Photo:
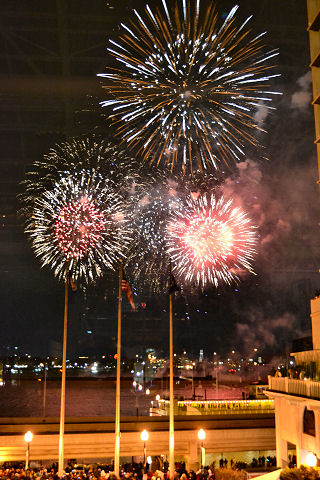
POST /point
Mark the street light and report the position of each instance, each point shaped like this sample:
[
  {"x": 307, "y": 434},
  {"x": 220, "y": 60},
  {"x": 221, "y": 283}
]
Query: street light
[
  {"x": 216, "y": 363},
  {"x": 192, "y": 384},
  {"x": 144, "y": 437},
  {"x": 311, "y": 459},
  {"x": 44, "y": 366},
  {"x": 28, "y": 438},
  {"x": 201, "y": 437}
]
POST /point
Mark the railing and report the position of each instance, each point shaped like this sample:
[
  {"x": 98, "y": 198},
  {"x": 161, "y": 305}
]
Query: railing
[
  {"x": 315, "y": 389},
  {"x": 303, "y": 388},
  {"x": 213, "y": 407}
]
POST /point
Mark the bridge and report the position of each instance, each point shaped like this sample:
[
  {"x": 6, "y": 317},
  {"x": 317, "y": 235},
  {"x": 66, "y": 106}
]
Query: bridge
[{"x": 93, "y": 437}]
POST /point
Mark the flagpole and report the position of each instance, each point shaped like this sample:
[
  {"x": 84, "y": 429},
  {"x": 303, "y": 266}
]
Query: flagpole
[
  {"x": 171, "y": 411},
  {"x": 117, "y": 419},
  {"x": 63, "y": 377}
]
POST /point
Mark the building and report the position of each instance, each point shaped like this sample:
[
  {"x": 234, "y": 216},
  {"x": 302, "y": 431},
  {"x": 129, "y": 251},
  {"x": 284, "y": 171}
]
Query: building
[
  {"x": 297, "y": 396},
  {"x": 297, "y": 402},
  {"x": 314, "y": 37}
]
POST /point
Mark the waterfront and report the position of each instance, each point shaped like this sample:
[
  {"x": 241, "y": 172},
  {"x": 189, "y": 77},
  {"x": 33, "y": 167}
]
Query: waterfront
[{"x": 96, "y": 397}]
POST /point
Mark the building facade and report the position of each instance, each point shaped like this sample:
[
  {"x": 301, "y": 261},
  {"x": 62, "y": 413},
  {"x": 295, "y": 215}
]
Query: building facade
[
  {"x": 314, "y": 37},
  {"x": 297, "y": 402},
  {"x": 297, "y": 396}
]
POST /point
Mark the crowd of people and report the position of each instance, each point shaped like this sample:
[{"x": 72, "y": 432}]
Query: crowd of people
[{"x": 130, "y": 471}]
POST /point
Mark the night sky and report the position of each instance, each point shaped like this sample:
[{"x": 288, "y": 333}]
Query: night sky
[{"x": 49, "y": 59}]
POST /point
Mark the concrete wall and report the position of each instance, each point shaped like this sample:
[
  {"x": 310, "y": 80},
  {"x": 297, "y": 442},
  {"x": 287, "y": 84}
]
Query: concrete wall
[{"x": 289, "y": 427}]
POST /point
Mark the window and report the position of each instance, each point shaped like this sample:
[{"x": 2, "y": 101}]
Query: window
[{"x": 308, "y": 422}]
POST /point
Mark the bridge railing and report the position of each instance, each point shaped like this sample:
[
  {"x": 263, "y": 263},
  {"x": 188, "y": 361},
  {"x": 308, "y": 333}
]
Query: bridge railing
[{"x": 213, "y": 407}]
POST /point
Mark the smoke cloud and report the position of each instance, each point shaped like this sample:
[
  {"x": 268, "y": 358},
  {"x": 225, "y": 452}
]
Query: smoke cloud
[
  {"x": 261, "y": 114},
  {"x": 302, "y": 98},
  {"x": 280, "y": 206},
  {"x": 281, "y": 197},
  {"x": 267, "y": 333}
]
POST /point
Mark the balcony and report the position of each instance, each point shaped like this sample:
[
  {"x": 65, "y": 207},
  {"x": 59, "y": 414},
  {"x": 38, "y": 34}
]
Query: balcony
[{"x": 291, "y": 386}]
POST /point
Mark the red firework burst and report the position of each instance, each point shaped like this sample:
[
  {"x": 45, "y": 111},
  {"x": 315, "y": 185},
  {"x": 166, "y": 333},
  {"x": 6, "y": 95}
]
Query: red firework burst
[
  {"x": 210, "y": 241},
  {"x": 78, "y": 227}
]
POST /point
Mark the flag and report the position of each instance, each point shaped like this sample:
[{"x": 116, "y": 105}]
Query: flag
[
  {"x": 72, "y": 284},
  {"x": 126, "y": 288},
  {"x": 173, "y": 285}
]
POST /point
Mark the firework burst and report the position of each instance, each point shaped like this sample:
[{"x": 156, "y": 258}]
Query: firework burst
[
  {"x": 157, "y": 198},
  {"x": 81, "y": 220},
  {"x": 147, "y": 259},
  {"x": 188, "y": 86},
  {"x": 75, "y": 211},
  {"x": 210, "y": 241},
  {"x": 79, "y": 227},
  {"x": 92, "y": 154}
]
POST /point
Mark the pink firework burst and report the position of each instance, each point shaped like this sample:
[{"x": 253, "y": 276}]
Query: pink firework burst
[
  {"x": 81, "y": 219},
  {"x": 79, "y": 227},
  {"x": 210, "y": 241}
]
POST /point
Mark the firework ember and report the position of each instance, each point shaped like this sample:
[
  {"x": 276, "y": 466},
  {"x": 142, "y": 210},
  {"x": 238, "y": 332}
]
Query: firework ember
[
  {"x": 210, "y": 241},
  {"x": 188, "y": 86},
  {"x": 79, "y": 226}
]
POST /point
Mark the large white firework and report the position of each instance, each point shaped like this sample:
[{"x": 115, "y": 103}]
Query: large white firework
[{"x": 188, "y": 85}]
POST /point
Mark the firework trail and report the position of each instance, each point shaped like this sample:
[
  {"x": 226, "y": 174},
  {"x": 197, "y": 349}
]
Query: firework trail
[
  {"x": 187, "y": 86},
  {"x": 210, "y": 241}
]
